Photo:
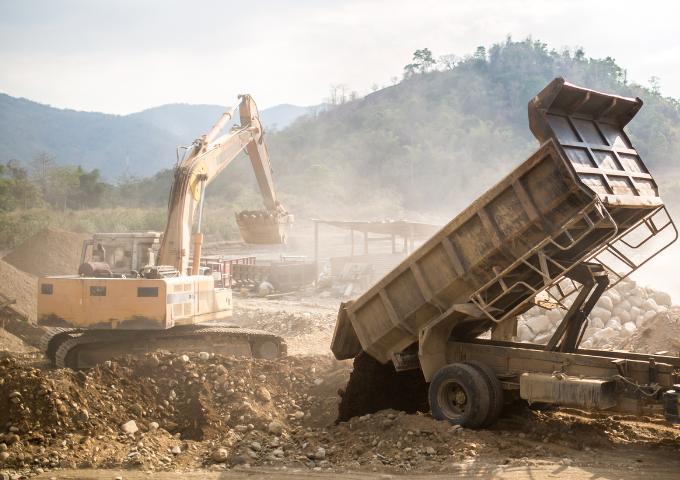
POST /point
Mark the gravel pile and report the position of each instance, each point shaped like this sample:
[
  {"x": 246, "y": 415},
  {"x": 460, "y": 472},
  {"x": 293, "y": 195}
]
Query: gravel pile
[{"x": 620, "y": 313}]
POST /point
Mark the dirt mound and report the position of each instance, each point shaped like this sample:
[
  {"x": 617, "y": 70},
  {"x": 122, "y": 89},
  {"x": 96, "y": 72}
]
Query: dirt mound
[
  {"x": 661, "y": 333},
  {"x": 21, "y": 287},
  {"x": 373, "y": 386},
  {"x": 51, "y": 251}
]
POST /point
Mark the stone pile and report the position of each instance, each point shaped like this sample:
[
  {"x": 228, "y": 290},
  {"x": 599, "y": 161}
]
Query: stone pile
[{"x": 619, "y": 314}]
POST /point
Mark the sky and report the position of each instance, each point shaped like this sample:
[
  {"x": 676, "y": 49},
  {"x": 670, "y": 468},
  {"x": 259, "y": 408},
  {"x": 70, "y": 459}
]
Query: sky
[{"x": 125, "y": 56}]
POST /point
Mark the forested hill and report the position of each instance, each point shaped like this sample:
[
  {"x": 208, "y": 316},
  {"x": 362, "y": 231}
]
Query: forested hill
[{"x": 443, "y": 135}]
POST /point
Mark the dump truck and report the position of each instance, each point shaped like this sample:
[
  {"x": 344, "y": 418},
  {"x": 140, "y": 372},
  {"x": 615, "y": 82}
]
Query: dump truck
[{"x": 571, "y": 221}]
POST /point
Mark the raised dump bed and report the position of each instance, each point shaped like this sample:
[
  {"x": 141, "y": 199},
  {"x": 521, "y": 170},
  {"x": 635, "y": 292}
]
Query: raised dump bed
[{"x": 583, "y": 198}]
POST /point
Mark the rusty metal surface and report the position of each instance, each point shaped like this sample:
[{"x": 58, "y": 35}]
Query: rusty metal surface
[
  {"x": 523, "y": 236},
  {"x": 570, "y": 391}
]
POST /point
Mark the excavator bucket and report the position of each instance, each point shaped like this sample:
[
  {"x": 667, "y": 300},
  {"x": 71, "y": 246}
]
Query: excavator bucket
[{"x": 264, "y": 227}]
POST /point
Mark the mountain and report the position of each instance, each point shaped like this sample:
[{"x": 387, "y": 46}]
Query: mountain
[
  {"x": 93, "y": 140},
  {"x": 99, "y": 140},
  {"x": 189, "y": 122}
]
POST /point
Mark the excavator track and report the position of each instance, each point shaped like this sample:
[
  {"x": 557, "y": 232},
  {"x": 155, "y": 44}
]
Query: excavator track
[
  {"x": 50, "y": 341},
  {"x": 96, "y": 346}
]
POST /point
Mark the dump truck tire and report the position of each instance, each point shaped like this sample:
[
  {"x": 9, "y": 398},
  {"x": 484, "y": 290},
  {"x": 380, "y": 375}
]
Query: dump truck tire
[
  {"x": 459, "y": 394},
  {"x": 493, "y": 383}
]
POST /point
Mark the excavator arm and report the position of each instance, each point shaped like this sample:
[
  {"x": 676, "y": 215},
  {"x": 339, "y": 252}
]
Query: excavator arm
[{"x": 202, "y": 162}]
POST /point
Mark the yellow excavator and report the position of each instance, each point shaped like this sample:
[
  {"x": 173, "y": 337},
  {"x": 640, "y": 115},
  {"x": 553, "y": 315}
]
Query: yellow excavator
[{"x": 136, "y": 293}]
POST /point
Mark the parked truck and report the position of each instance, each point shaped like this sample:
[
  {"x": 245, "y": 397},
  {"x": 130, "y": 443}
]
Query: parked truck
[{"x": 572, "y": 220}]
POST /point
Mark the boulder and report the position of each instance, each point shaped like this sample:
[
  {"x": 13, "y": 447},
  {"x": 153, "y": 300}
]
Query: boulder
[
  {"x": 636, "y": 300},
  {"x": 555, "y": 315},
  {"x": 597, "y": 322},
  {"x": 623, "y": 315},
  {"x": 614, "y": 295},
  {"x": 662, "y": 298},
  {"x": 614, "y": 323},
  {"x": 634, "y": 312},
  {"x": 599, "y": 312},
  {"x": 639, "y": 320},
  {"x": 534, "y": 311},
  {"x": 543, "y": 338},
  {"x": 623, "y": 305},
  {"x": 539, "y": 324},
  {"x": 130, "y": 427},
  {"x": 639, "y": 291},
  {"x": 275, "y": 428},
  {"x": 525, "y": 334},
  {"x": 650, "y": 305},
  {"x": 628, "y": 329},
  {"x": 220, "y": 455},
  {"x": 604, "y": 334},
  {"x": 605, "y": 302}
]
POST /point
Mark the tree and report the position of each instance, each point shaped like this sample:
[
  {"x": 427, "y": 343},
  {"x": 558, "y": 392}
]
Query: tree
[
  {"x": 24, "y": 193},
  {"x": 90, "y": 188},
  {"x": 654, "y": 82},
  {"x": 422, "y": 62},
  {"x": 128, "y": 184},
  {"x": 448, "y": 61},
  {"x": 64, "y": 182},
  {"x": 41, "y": 166}
]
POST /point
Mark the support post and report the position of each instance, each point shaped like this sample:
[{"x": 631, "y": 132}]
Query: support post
[
  {"x": 405, "y": 245},
  {"x": 316, "y": 241},
  {"x": 412, "y": 239}
]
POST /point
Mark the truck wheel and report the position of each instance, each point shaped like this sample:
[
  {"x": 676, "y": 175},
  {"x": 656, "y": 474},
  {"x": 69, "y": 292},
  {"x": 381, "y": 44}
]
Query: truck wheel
[
  {"x": 459, "y": 394},
  {"x": 495, "y": 391}
]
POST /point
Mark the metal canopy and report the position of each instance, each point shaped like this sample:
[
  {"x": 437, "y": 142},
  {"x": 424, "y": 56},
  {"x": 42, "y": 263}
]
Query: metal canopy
[{"x": 387, "y": 227}]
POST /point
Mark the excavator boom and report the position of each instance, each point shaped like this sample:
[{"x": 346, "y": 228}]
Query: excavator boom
[{"x": 204, "y": 160}]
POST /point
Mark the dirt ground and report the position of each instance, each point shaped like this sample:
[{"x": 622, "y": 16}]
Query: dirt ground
[{"x": 191, "y": 416}]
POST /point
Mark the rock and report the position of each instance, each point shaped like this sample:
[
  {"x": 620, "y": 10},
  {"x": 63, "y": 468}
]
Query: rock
[
  {"x": 176, "y": 450},
  {"x": 623, "y": 305},
  {"x": 555, "y": 315},
  {"x": 614, "y": 323},
  {"x": 539, "y": 324},
  {"x": 184, "y": 359},
  {"x": 543, "y": 338},
  {"x": 222, "y": 379},
  {"x": 67, "y": 464},
  {"x": 604, "y": 333},
  {"x": 221, "y": 370},
  {"x": 83, "y": 416},
  {"x": 534, "y": 311},
  {"x": 153, "y": 426},
  {"x": 11, "y": 439},
  {"x": 263, "y": 394},
  {"x": 662, "y": 298},
  {"x": 318, "y": 382},
  {"x": 431, "y": 451},
  {"x": 636, "y": 301},
  {"x": 650, "y": 305},
  {"x": 204, "y": 356},
  {"x": 3, "y": 447},
  {"x": 137, "y": 409},
  {"x": 262, "y": 378},
  {"x": 525, "y": 334},
  {"x": 14, "y": 395},
  {"x": 130, "y": 427},
  {"x": 220, "y": 455},
  {"x": 320, "y": 454},
  {"x": 567, "y": 462},
  {"x": 597, "y": 322},
  {"x": 256, "y": 446},
  {"x": 275, "y": 428},
  {"x": 638, "y": 291},
  {"x": 387, "y": 424},
  {"x": 614, "y": 295},
  {"x": 605, "y": 302},
  {"x": 152, "y": 361},
  {"x": 4, "y": 456},
  {"x": 601, "y": 313},
  {"x": 241, "y": 428},
  {"x": 299, "y": 415},
  {"x": 634, "y": 312},
  {"x": 639, "y": 321},
  {"x": 628, "y": 329}
]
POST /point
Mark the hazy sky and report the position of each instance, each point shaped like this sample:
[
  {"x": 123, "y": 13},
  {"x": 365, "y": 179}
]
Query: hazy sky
[{"x": 124, "y": 56}]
